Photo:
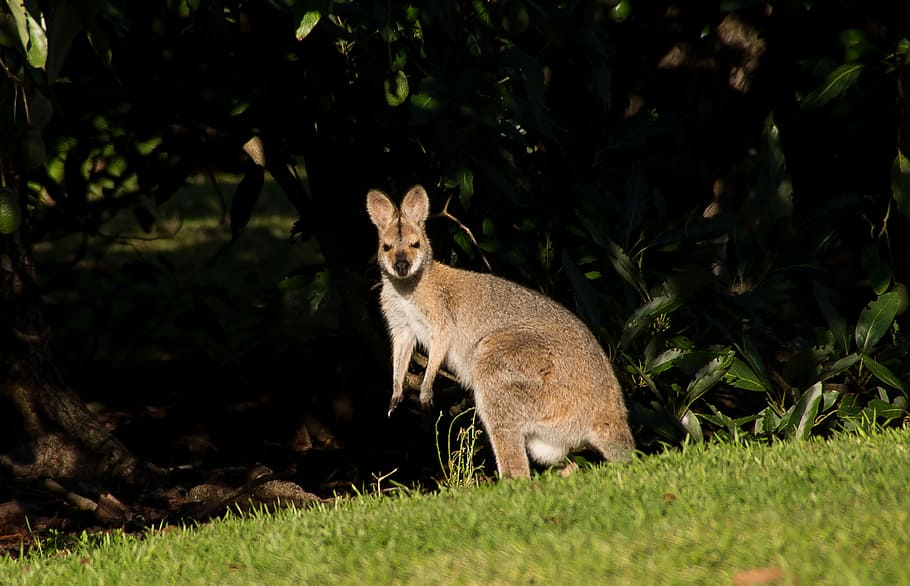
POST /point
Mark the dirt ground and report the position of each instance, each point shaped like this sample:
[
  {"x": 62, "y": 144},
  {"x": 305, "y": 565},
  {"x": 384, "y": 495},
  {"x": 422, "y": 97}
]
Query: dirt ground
[{"x": 223, "y": 443}]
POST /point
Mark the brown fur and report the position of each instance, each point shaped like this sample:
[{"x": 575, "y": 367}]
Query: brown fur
[{"x": 541, "y": 382}]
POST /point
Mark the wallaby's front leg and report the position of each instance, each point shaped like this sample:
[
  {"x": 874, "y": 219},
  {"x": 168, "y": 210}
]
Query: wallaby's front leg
[
  {"x": 403, "y": 341},
  {"x": 437, "y": 354}
]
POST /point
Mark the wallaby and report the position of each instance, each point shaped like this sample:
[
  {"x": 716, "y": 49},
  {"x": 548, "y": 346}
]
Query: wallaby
[{"x": 542, "y": 384}]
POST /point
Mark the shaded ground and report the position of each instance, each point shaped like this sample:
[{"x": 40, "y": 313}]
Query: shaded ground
[
  {"x": 222, "y": 447},
  {"x": 224, "y": 364}
]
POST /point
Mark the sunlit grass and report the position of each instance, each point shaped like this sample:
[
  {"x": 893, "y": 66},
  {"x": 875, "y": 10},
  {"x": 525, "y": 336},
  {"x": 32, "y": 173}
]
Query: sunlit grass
[{"x": 799, "y": 512}]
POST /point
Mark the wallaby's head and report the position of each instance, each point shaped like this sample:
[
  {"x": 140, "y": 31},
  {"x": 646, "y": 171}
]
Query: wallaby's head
[{"x": 404, "y": 249}]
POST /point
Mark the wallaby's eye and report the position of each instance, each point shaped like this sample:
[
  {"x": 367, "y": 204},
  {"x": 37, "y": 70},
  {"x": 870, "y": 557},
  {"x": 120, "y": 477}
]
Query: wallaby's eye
[
  {"x": 416, "y": 244},
  {"x": 386, "y": 247}
]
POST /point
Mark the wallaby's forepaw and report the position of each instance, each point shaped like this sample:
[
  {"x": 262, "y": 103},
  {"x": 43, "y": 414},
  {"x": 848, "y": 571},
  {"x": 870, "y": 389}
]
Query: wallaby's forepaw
[{"x": 396, "y": 401}]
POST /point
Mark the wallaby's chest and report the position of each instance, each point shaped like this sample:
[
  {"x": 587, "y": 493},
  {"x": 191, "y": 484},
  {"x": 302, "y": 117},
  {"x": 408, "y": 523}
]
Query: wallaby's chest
[{"x": 405, "y": 312}]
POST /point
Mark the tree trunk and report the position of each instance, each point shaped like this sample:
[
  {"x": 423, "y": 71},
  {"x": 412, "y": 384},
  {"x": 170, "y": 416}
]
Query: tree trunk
[{"x": 46, "y": 430}]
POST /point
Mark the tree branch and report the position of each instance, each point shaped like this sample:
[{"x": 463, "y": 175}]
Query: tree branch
[{"x": 448, "y": 215}]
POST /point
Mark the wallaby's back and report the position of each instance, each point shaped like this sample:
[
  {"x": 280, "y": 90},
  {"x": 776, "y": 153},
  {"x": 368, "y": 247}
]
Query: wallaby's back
[{"x": 541, "y": 382}]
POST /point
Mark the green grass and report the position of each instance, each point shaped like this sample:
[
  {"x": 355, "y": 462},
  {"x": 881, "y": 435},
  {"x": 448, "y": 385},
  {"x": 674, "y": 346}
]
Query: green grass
[{"x": 812, "y": 513}]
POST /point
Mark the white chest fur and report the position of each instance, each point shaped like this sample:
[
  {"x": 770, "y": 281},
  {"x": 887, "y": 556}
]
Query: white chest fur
[{"x": 403, "y": 313}]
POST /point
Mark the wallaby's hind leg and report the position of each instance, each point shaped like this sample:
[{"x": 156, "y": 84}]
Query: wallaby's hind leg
[
  {"x": 503, "y": 428},
  {"x": 509, "y": 449},
  {"x": 510, "y": 369}
]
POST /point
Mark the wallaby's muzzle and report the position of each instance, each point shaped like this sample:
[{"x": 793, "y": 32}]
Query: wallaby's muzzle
[{"x": 402, "y": 266}]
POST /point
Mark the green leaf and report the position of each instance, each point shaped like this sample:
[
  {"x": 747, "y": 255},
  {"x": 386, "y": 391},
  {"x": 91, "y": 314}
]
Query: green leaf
[
  {"x": 849, "y": 408},
  {"x": 840, "y": 366},
  {"x": 875, "y": 320},
  {"x": 465, "y": 178},
  {"x": 634, "y": 369},
  {"x": 878, "y": 270},
  {"x": 805, "y": 411},
  {"x": 482, "y": 13},
  {"x": 312, "y": 287},
  {"x": 665, "y": 360},
  {"x": 774, "y": 189},
  {"x": 884, "y": 374},
  {"x": 836, "y": 322},
  {"x": 293, "y": 283},
  {"x": 741, "y": 376},
  {"x": 878, "y": 408},
  {"x": 756, "y": 362},
  {"x": 319, "y": 288},
  {"x": 829, "y": 399},
  {"x": 426, "y": 102},
  {"x": 717, "y": 418},
  {"x": 694, "y": 230},
  {"x": 647, "y": 312},
  {"x": 307, "y": 23},
  {"x": 708, "y": 376},
  {"x": 767, "y": 422},
  {"x": 656, "y": 421},
  {"x": 900, "y": 183},
  {"x": 488, "y": 226},
  {"x": 856, "y": 44},
  {"x": 31, "y": 28},
  {"x": 691, "y": 424},
  {"x": 837, "y": 82},
  {"x": 725, "y": 421},
  {"x": 626, "y": 268},
  {"x": 463, "y": 242}
]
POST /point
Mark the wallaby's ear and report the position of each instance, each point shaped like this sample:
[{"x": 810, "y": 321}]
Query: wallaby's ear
[
  {"x": 380, "y": 207},
  {"x": 416, "y": 204}
]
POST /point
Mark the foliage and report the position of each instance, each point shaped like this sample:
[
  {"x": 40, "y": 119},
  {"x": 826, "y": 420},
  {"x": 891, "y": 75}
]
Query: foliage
[
  {"x": 720, "y": 191},
  {"x": 722, "y": 329}
]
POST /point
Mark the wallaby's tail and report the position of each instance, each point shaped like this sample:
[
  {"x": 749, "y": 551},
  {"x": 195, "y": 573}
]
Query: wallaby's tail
[{"x": 613, "y": 441}]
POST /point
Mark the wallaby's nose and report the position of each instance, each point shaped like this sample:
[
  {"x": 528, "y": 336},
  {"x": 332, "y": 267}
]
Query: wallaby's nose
[{"x": 402, "y": 266}]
